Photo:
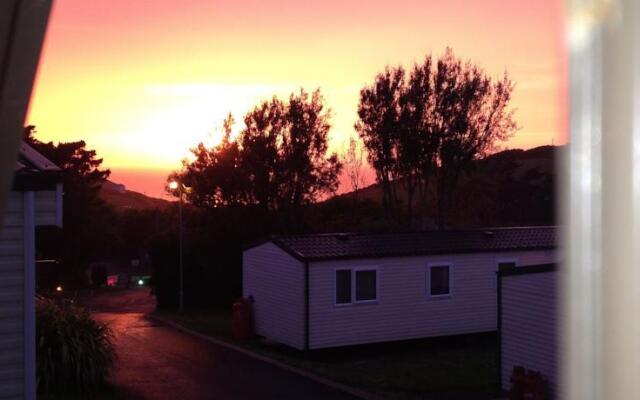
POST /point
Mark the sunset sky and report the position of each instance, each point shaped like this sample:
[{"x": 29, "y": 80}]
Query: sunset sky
[{"x": 141, "y": 81}]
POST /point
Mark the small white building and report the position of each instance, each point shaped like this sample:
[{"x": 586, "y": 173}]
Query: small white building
[
  {"x": 35, "y": 199},
  {"x": 527, "y": 323},
  {"x": 328, "y": 290}
]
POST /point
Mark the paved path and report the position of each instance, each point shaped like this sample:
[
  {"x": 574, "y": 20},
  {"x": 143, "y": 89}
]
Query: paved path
[{"x": 158, "y": 362}]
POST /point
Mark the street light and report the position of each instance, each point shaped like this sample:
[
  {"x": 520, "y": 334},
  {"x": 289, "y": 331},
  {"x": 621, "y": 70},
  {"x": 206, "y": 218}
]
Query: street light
[{"x": 173, "y": 185}]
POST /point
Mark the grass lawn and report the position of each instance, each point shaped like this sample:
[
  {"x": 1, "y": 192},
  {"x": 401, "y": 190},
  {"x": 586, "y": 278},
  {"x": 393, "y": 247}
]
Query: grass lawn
[{"x": 452, "y": 368}]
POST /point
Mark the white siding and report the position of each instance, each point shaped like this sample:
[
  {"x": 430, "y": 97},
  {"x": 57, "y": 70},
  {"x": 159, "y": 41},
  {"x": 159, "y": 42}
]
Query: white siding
[
  {"x": 276, "y": 281},
  {"x": 46, "y": 207},
  {"x": 529, "y": 331},
  {"x": 11, "y": 300},
  {"x": 404, "y": 310}
]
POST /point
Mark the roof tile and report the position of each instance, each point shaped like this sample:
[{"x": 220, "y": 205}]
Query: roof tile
[{"x": 373, "y": 245}]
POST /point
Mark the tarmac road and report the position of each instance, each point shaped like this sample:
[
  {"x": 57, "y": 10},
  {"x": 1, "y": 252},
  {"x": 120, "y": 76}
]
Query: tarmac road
[{"x": 159, "y": 362}]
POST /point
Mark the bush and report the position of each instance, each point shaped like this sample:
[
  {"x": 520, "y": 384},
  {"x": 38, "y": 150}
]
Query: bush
[
  {"x": 99, "y": 275},
  {"x": 74, "y": 352}
]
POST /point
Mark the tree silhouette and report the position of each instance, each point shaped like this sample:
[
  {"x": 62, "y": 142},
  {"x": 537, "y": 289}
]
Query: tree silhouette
[
  {"x": 416, "y": 142},
  {"x": 279, "y": 162},
  {"x": 353, "y": 164},
  {"x": 434, "y": 123},
  {"x": 307, "y": 172},
  {"x": 214, "y": 178},
  {"x": 470, "y": 116},
  {"x": 378, "y": 125},
  {"x": 89, "y": 223},
  {"x": 260, "y": 142}
]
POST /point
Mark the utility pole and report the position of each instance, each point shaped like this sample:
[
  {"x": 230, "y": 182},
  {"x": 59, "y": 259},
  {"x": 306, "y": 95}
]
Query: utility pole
[
  {"x": 178, "y": 185},
  {"x": 181, "y": 293}
]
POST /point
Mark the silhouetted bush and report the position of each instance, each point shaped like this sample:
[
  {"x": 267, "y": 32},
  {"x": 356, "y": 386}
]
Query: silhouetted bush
[
  {"x": 99, "y": 275},
  {"x": 212, "y": 255},
  {"x": 74, "y": 352}
]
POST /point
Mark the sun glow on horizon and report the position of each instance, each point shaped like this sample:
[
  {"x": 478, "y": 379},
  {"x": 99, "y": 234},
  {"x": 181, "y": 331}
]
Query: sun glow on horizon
[{"x": 143, "y": 82}]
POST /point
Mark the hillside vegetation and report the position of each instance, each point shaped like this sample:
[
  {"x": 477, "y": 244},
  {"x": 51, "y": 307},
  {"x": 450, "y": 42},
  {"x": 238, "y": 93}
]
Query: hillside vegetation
[
  {"x": 509, "y": 188},
  {"x": 113, "y": 194}
]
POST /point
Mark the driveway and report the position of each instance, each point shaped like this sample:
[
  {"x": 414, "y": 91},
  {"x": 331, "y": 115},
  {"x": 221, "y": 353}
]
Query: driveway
[{"x": 159, "y": 362}]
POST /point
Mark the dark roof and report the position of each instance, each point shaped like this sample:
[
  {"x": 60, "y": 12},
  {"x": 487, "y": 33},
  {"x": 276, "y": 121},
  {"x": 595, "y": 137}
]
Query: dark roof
[
  {"x": 29, "y": 158},
  {"x": 374, "y": 245},
  {"x": 33, "y": 171}
]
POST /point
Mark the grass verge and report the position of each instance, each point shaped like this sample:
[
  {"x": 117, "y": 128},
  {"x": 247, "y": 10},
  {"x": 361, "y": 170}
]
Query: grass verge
[{"x": 451, "y": 368}]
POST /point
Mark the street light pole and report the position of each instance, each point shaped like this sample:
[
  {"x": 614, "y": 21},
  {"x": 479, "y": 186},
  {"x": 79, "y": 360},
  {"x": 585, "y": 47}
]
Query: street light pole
[
  {"x": 181, "y": 282},
  {"x": 173, "y": 185}
]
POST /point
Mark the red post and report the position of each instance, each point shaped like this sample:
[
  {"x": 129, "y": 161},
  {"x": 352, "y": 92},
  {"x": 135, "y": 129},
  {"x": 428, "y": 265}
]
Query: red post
[
  {"x": 242, "y": 321},
  {"x": 517, "y": 384}
]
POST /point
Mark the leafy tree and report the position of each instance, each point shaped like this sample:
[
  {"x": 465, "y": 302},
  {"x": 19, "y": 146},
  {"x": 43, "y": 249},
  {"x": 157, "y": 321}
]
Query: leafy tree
[
  {"x": 89, "y": 223},
  {"x": 379, "y": 114},
  {"x": 244, "y": 188},
  {"x": 214, "y": 177},
  {"x": 353, "y": 164},
  {"x": 260, "y": 142},
  {"x": 80, "y": 166},
  {"x": 279, "y": 161},
  {"x": 307, "y": 172},
  {"x": 434, "y": 123},
  {"x": 470, "y": 116}
]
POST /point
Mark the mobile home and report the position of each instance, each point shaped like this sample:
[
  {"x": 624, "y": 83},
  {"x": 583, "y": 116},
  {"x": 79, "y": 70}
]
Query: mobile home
[{"x": 328, "y": 290}]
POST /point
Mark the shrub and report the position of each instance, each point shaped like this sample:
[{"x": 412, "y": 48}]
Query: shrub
[{"x": 74, "y": 352}]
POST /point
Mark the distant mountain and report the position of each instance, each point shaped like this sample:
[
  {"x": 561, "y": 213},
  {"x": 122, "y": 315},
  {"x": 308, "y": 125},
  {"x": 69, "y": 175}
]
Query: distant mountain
[
  {"x": 508, "y": 188},
  {"x": 122, "y": 199}
]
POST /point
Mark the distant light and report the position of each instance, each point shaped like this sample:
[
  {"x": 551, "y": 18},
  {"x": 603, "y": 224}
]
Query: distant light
[
  {"x": 140, "y": 282},
  {"x": 173, "y": 185},
  {"x": 58, "y": 288}
]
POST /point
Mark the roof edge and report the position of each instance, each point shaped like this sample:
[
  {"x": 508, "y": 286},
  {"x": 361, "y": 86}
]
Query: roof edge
[
  {"x": 528, "y": 269},
  {"x": 274, "y": 239},
  {"x": 431, "y": 253},
  {"x": 277, "y": 240},
  {"x": 409, "y": 232},
  {"x": 36, "y": 158},
  {"x": 24, "y": 181}
]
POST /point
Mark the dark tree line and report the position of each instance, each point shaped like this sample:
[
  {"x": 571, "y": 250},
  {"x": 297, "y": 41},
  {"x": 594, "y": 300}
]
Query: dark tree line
[
  {"x": 89, "y": 223},
  {"x": 92, "y": 229},
  {"x": 425, "y": 127}
]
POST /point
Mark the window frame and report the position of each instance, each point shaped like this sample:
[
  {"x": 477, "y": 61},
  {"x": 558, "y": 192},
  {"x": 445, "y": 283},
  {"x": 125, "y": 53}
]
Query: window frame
[
  {"x": 431, "y": 265},
  {"x": 335, "y": 287},
  {"x": 353, "y": 274},
  {"x": 354, "y": 283}
]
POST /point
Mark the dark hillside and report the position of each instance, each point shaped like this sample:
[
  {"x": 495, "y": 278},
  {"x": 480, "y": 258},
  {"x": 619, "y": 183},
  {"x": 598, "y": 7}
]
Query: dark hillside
[
  {"x": 122, "y": 199},
  {"x": 512, "y": 187}
]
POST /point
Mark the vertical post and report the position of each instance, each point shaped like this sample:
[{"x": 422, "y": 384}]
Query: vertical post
[
  {"x": 181, "y": 289},
  {"x": 581, "y": 212},
  {"x": 620, "y": 203},
  {"x": 29, "y": 296},
  {"x": 601, "y": 335}
]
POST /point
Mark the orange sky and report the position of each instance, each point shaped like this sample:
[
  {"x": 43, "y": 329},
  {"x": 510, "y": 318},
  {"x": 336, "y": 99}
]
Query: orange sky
[{"x": 143, "y": 80}]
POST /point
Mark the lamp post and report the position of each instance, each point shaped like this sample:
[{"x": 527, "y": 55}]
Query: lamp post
[{"x": 177, "y": 185}]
